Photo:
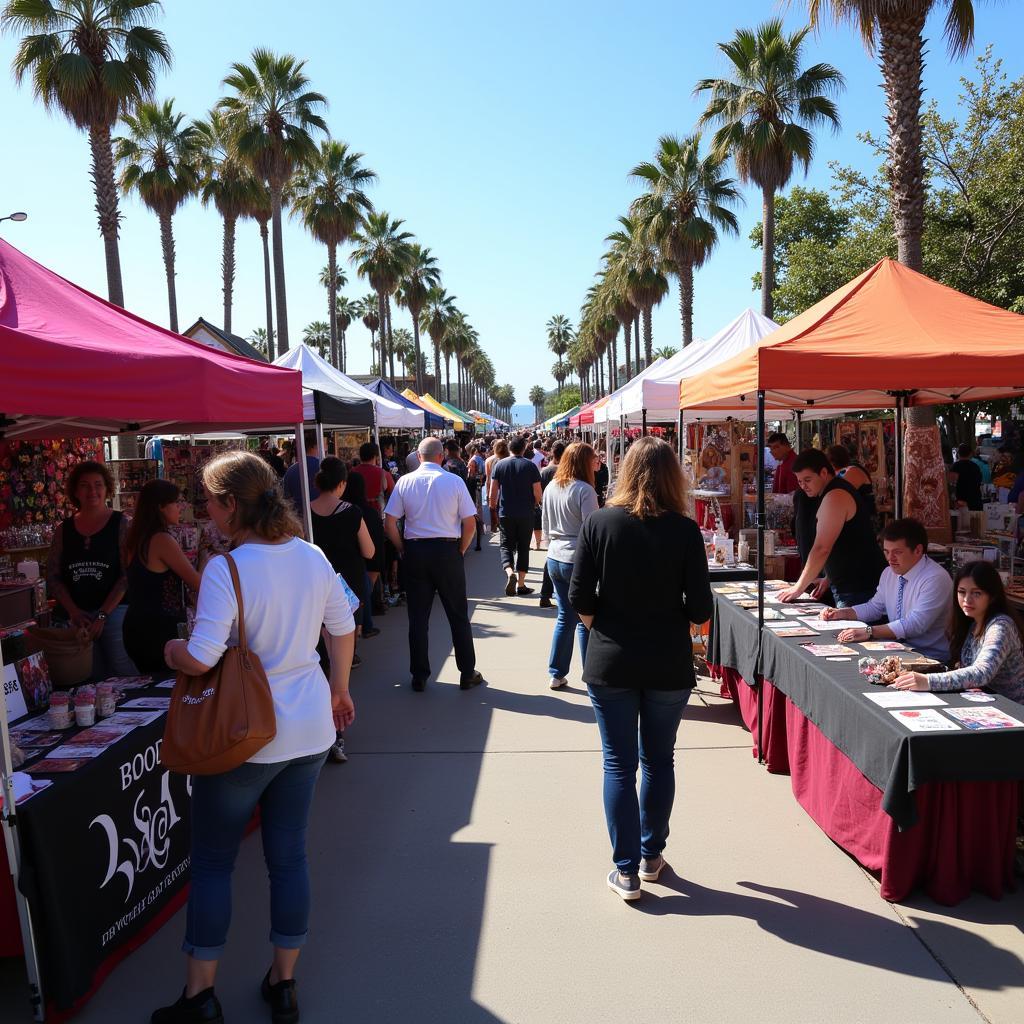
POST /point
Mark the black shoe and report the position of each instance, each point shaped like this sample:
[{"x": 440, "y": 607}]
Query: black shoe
[
  {"x": 371, "y": 632},
  {"x": 478, "y": 548},
  {"x": 546, "y": 602},
  {"x": 419, "y": 685},
  {"x": 468, "y": 682},
  {"x": 524, "y": 591},
  {"x": 283, "y": 1000},
  {"x": 510, "y": 586},
  {"x": 356, "y": 662},
  {"x": 202, "y": 1008}
]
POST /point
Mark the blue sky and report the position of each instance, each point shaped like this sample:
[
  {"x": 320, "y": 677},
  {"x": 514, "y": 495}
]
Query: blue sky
[{"x": 503, "y": 135}]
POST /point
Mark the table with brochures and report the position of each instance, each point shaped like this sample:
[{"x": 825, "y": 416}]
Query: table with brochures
[{"x": 922, "y": 788}]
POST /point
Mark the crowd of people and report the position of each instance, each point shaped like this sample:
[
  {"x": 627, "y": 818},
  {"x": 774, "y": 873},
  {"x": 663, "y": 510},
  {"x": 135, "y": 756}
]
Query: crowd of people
[{"x": 626, "y": 570}]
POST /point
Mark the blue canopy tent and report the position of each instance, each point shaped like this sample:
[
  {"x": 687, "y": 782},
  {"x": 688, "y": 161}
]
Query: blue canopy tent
[{"x": 431, "y": 421}]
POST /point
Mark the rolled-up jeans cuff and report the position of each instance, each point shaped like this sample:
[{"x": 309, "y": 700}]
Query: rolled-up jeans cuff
[
  {"x": 202, "y": 952},
  {"x": 287, "y": 941}
]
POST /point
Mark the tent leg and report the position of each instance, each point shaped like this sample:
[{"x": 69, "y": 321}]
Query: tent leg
[
  {"x": 679, "y": 438},
  {"x": 898, "y": 502},
  {"x": 799, "y": 430},
  {"x": 760, "y": 573},
  {"x": 609, "y": 461},
  {"x": 306, "y": 513},
  {"x": 8, "y": 818},
  {"x": 321, "y": 450},
  {"x": 643, "y": 421}
]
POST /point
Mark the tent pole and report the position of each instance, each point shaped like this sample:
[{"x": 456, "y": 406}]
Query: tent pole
[
  {"x": 306, "y": 513},
  {"x": 679, "y": 438},
  {"x": 799, "y": 413},
  {"x": 643, "y": 421},
  {"x": 321, "y": 450},
  {"x": 898, "y": 503},
  {"x": 9, "y": 818},
  {"x": 760, "y": 573}
]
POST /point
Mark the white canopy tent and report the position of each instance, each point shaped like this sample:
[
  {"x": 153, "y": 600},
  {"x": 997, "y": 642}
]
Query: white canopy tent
[
  {"x": 319, "y": 375},
  {"x": 612, "y": 409}
]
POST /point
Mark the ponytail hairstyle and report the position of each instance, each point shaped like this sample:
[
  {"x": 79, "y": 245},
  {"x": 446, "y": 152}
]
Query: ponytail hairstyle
[
  {"x": 146, "y": 520},
  {"x": 332, "y": 474},
  {"x": 260, "y": 506}
]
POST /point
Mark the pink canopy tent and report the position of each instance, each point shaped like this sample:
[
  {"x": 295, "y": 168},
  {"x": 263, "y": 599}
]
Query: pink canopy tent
[{"x": 74, "y": 365}]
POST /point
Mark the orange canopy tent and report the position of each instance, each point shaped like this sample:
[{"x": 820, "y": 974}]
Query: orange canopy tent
[{"x": 891, "y": 332}]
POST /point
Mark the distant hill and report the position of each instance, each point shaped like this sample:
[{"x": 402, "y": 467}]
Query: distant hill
[{"x": 522, "y": 414}]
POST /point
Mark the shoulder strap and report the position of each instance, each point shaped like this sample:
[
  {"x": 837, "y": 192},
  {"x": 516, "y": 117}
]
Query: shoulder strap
[{"x": 238, "y": 596}]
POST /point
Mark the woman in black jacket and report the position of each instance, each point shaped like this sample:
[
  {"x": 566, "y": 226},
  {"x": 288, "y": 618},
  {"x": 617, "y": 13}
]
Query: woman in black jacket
[{"x": 640, "y": 579}]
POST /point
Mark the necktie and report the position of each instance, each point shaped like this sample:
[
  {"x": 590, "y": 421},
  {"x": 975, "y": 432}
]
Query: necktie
[{"x": 899, "y": 598}]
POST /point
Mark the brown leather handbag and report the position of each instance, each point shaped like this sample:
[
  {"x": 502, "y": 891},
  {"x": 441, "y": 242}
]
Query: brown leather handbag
[{"x": 218, "y": 720}]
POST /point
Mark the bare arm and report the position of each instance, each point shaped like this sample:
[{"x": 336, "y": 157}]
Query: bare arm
[
  {"x": 468, "y": 533},
  {"x": 366, "y": 545},
  {"x": 165, "y": 548},
  {"x": 536, "y": 494},
  {"x": 492, "y": 494},
  {"x": 392, "y": 533}
]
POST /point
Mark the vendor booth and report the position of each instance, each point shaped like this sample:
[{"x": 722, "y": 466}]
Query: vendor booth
[
  {"x": 429, "y": 420},
  {"x": 909, "y": 803},
  {"x": 75, "y": 366},
  {"x": 458, "y": 420}
]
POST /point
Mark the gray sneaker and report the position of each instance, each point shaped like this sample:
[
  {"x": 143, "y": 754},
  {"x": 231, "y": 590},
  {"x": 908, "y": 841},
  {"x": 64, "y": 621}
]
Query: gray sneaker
[
  {"x": 651, "y": 867},
  {"x": 337, "y": 752},
  {"x": 627, "y": 886}
]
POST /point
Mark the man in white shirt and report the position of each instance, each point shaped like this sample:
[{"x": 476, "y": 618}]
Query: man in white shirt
[
  {"x": 440, "y": 524},
  {"x": 914, "y": 596}
]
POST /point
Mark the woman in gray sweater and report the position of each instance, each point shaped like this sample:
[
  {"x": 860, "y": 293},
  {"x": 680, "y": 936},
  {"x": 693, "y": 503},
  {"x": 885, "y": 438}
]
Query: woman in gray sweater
[{"x": 568, "y": 500}]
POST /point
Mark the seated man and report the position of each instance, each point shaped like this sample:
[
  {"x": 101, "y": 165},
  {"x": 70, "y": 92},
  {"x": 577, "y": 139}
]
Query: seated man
[
  {"x": 844, "y": 541},
  {"x": 913, "y": 598}
]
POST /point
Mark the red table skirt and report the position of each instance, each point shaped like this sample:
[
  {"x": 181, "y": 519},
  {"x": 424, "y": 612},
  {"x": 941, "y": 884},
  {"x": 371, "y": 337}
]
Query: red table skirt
[{"x": 964, "y": 839}]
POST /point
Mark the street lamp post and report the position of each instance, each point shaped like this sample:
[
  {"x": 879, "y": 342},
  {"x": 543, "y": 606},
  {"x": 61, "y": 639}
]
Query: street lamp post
[{"x": 19, "y": 216}]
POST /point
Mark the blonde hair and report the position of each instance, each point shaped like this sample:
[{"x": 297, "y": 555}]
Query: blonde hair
[
  {"x": 576, "y": 463},
  {"x": 260, "y": 506},
  {"x": 651, "y": 482}
]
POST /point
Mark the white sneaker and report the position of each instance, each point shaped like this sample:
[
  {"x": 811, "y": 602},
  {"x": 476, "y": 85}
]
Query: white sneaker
[{"x": 557, "y": 682}]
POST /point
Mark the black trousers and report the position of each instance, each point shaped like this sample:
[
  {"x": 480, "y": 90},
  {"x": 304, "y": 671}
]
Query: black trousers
[
  {"x": 516, "y": 534},
  {"x": 436, "y": 567},
  {"x": 547, "y": 588}
]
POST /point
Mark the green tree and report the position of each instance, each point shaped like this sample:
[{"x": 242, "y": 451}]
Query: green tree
[
  {"x": 438, "y": 310},
  {"x": 766, "y": 111},
  {"x": 684, "y": 209},
  {"x": 405, "y": 351},
  {"x": 317, "y": 336},
  {"x": 536, "y": 398},
  {"x": 272, "y": 115},
  {"x": 560, "y": 334},
  {"x": 369, "y": 313},
  {"x": 261, "y": 341},
  {"x": 231, "y": 188},
  {"x": 665, "y": 352},
  {"x": 159, "y": 159},
  {"x": 563, "y": 401},
  {"x": 328, "y": 194},
  {"x": 345, "y": 311},
  {"x": 421, "y": 275},
  {"x": 92, "y": 61},
  {"x": 261, "y": 210}
]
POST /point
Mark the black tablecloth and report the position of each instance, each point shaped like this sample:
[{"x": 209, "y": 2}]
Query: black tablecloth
[
  {"x": 105, "y": 850},
  {"x": 830, "y": 694},
  {"x": 731, "y": 574}
]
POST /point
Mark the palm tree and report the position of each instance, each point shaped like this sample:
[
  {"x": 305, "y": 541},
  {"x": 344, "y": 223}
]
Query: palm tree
[
  {"x": 665, "y": 352},
  {"x": 685, "y": 207},
  {"x": 369, "y": 313},
  {"x": 897, "y": 28},
  {"x": 261, "y": 211},
  {"x": 421, "y": 275},
  {"x": 381, "y": 255},
  {"x": 261, "y": 341},
  {"x": 327, "y": 193},
  {"x": 345, "y": 312},
  {"x": 437, "y": 311},
  {"x": 159, "y": 160},
  {"x": 92, "y": 61},
  {"x": 560, "y": 336},
  {"x": 404, "y": 349},
  {"x": 765, "y": 111},
  {"x": 317, "y": 335},
  {"x": 559, "y": 372},
  {"x": 231, "y": 188},
  {"x": 272, "y": 115}
]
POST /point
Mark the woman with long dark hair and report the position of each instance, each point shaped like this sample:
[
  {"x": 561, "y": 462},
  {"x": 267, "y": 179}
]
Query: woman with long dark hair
[
  {"x": 984, "y": 639},
  {"x": 640, "y": 579},
  {"x": 374, "y": 564},
  {"x": 158, "y": 573}
]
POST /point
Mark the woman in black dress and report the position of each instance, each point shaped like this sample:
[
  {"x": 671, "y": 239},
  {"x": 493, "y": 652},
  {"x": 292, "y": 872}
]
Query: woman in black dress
[
  {"x": 374, "y": 562},
  {"x": 158, "y": 573}
]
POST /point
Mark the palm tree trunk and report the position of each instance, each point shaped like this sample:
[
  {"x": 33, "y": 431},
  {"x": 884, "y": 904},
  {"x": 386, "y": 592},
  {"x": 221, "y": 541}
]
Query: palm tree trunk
[
  {"x": 167, "y": 245},
  {"x": 227, "y": 266},
  {"x": 343, "y": 350},
  {"x": 106, "y": 207},
  {"x": 685, "y": 273},
  {"x": 267, "y": 291},
  {"x": 332, "y": 300},
  {"x": 373, "y": 348},
  {"x": 901, "y": 53},
  {"x": 447, "y": 378},
  {"x": 391, "y": 341},
  {"x": 276, "y": 202},
  {"x": 648, "y": 335},
  {"x": 636, "y": 339},
  {"x": 768, "y": 252},
  {"x": 627, "y": 329},
  {"x": 416, "y": 344},
  {"x": 382, "y": 332}
]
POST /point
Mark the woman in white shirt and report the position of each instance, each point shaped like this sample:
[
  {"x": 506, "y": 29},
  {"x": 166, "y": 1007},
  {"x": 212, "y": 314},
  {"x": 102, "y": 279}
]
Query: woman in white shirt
[{"x": 288, "y": 590}]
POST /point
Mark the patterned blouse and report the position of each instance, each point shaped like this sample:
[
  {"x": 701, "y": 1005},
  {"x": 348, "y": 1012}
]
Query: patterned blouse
[{"x": 995, "y": 661}]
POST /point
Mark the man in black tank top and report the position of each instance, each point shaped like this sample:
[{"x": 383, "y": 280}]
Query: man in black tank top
[{"x": 845, "y": 547}]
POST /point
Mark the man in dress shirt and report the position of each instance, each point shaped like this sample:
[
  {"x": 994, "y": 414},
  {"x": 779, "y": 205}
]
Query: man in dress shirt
[
  {"x": 913, "y": 599},
  {"x": 440, "y": 523}
]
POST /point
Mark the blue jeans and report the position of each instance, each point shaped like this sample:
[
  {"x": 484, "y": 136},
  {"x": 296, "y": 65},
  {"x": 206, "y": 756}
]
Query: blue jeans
[
  {"x": 109, "y": 657},
  {"x": 638, "y": 727},
  {"x": 567, "y": 621},
  {"x": 848, "y": 598},
  {"x": 222, "y": 806}
]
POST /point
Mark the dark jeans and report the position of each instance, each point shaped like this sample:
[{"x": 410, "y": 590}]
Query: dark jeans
[
  {"x": 436, "y": 567},
  {"x": 222, "y": 806},
  {"x": 848, "y": 598},
  {"x": 560, "y": 574},
  {"x": 638, "y": 727},
  {"x": 547, "y": 588},
  {"x": 516, "y": 534}
]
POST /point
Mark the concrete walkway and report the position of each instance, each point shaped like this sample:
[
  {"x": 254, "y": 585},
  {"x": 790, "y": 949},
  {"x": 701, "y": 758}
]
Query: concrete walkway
[{"x": 459, "y": 859}]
